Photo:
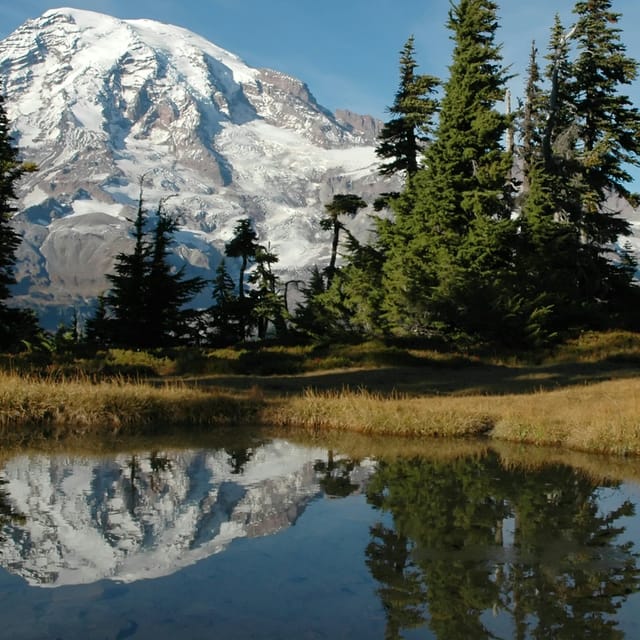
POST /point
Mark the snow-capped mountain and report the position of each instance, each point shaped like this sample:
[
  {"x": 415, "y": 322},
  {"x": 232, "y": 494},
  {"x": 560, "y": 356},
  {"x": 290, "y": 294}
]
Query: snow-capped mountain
[
  {"x": 76, "y": 520},
  {"x": 101, "y": 103}
]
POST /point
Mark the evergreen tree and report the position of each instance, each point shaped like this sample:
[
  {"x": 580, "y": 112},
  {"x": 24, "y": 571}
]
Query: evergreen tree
[
  {"x": 533, "y": 118},
  {"x": 404, "y": 136},
  {"x": 126, "y": 300},
  {"x": 357, "y": 290},
  {"x": 167, "y": 290},
  {"x": 311, "y": 316},
  {"x": 98, "y": 328},
  {"x": 15, "y": 324},
  {"x": 462, "y": 195},
  {"x": 243, "y": 245},
  {"x": 558, "y": 141},
  {"x": 608, "y": 126},
  {"x": 145, "y": 305},
  {"x": 267, "y": 304},
  {"x": 342, "y": 204},
  {"x": 223, "y": 312}
]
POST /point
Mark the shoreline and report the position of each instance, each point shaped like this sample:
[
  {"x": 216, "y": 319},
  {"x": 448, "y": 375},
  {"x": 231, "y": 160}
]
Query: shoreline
[{"x": 599, "y": 416}]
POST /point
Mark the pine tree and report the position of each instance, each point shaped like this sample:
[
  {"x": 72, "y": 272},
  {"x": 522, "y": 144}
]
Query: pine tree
[
  {"x": 127, "y": 297},
  {"x": 223, "y": 312},
  {"x": 168, "y": 291},
  {"x": 145, "y": 306},
  {"x": 558, "y": 142},
  {"x": 244, "y": 245},
  {"x": 404, "y": 136},
  {"x": 15, "y": 324},
  {"x": 311, "y": 317},
  {"x": 608, "y": 126},
  {"x": 358, "y": 290},
  {"x": 533, "y": 119},
  {"x": 461, "y": 195},
  {"x": 267, "y": 304},
  {"x": 341, "y": 205},
  {"x": 98, "y": 327}
]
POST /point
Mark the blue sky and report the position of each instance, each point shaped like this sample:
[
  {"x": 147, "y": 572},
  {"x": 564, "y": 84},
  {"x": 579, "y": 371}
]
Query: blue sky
[{"x": 346, "y": 50}]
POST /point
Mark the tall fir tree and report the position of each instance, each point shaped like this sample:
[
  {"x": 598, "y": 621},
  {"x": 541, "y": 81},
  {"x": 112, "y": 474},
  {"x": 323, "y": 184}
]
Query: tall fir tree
[
  {"x": 558, "y": 141},
  {"x": 168, "y": 291},
  {"x": 126, "y": 298},
  {"x": 223, "y": 312},
  {"x": 341, "y": 205},
  {"x": 608, "y": 125},
  {"x": 532, "y": 120},
  {"x": 146, "y": 304},
  {"x": 446, "y": 222},
  {"x": 405, "y": 135},
  {"x": 244, "y": 245},
  {"x": 267, "y": 303},
  {"x": 15, "y": 324}
]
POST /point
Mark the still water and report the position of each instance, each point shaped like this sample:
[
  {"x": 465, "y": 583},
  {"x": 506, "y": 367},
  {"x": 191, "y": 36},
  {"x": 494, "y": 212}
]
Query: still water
[{"x": 273, "y": 539}]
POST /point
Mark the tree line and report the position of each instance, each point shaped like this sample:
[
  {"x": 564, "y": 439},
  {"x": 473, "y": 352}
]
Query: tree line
[{"x": 504, "y": 231}]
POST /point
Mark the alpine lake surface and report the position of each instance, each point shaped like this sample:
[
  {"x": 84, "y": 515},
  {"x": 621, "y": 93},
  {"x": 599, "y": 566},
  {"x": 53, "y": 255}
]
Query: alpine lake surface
[{"x": 254, "y": 536}]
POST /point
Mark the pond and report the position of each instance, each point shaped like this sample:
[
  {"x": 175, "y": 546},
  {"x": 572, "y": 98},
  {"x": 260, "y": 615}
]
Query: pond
[{"x": 271, "y": 538}]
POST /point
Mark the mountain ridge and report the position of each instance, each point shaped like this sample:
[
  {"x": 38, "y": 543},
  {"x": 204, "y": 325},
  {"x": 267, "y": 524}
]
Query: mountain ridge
[{"x": 98, "y": 102}]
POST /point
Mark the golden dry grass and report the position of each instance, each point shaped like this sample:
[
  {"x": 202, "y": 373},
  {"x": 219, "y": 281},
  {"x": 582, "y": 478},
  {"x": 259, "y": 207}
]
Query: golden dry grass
[
  {"x": 582, "y": 397},
  {"x": 602, "y": 417},
  {"x": 32, "y": 407}
]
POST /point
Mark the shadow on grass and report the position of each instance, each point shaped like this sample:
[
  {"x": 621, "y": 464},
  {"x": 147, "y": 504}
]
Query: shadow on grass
[{"x": 478, "y": 379}]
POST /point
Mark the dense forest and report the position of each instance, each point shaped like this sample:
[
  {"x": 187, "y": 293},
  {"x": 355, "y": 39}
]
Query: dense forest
[{"x": 503, "y": 233}]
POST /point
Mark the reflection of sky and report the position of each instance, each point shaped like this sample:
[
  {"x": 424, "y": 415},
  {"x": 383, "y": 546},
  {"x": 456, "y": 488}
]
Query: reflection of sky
[
  {"x": 610, "y": 498},
  {"x": 310, "y": 580}
]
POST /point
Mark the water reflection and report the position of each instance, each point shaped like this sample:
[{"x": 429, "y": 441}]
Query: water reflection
[
  {"x": 147, "y": 515},
  {"x": 471, "y": 538},
  {"x": 457, "y": 548}
]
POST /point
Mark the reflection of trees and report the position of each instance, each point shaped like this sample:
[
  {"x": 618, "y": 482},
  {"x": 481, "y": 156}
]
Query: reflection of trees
[
  {"x": 572, "y": 574},
  {"x": 8, "y": 514},
  {"x": 335, "y": 475},
  {"x": 562, "y": 574},
  {"x": 238, "y": 458},
  {"x": 401, "y": 593}
]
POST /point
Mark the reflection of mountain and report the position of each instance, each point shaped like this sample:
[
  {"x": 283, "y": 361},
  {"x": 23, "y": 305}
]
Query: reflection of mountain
[{"x": 145, "y": 516}]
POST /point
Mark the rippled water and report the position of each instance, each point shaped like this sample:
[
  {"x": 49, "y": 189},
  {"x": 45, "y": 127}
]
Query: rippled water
[{"x": 271, "y": 539}]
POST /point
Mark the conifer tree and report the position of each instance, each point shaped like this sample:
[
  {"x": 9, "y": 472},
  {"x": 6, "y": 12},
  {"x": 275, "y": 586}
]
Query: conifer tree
[
  {"x": 223, "y": 312},
  {"x": 341, "y": 205},
  {"x": 462, "y": 194},
  {"x": 98, "y": 328},
  {"x": 145, "y": 306},
  {"x": 558, "y": 141},
  {"x": 608, "y": 125},
  {"x": 167, "y": 289},
  {"x": 127, "y": 296},
  {"x": 311, "y": 317},
  {"x": 15, "y": 324},
  {"x": 267, "y": 304},
  {"x": 533, "y": 118},
  {"x": 358, "y": 290},
  {"x": 243, "y": 245},
  {"x": 405, "y": 135}
]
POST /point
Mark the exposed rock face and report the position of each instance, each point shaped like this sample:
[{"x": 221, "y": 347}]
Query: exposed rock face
[{"x": 99, "y": 102}]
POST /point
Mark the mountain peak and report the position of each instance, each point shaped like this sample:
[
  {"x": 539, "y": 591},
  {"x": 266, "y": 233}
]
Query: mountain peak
[{"x": 98, "y": 101}]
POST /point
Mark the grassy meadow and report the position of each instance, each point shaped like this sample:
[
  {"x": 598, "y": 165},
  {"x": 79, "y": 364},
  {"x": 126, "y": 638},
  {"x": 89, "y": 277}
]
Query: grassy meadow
[{"x": 581, "y": 396}]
